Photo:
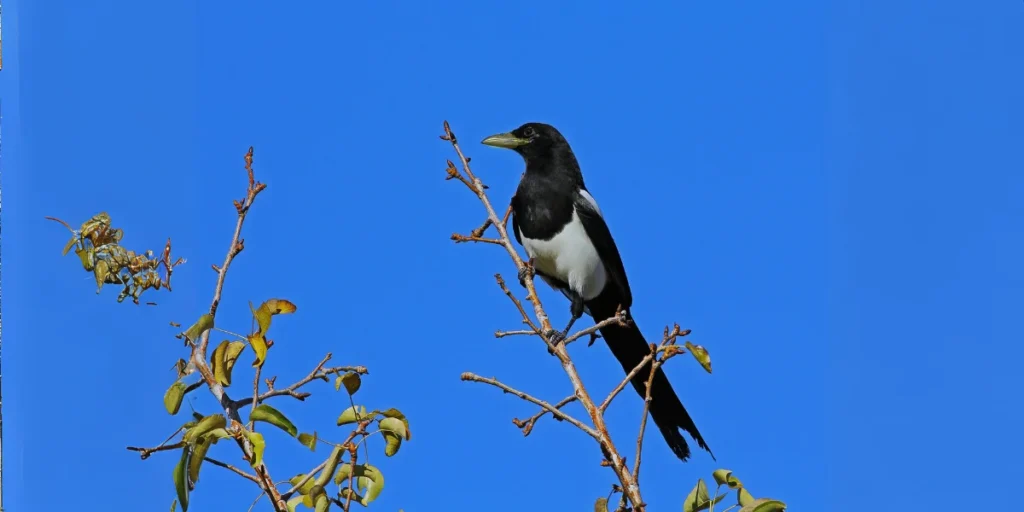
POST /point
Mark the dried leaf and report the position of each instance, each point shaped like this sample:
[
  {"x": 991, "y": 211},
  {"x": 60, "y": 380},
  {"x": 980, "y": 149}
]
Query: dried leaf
[
  {"x": 601, "y": 505},
  {"x": 180, "y": 479},
  {"x": 351, "y": 381},
  {"x": 764, "y": 505},
  {"x": 351, "y": 415},
  {"x": 308, "y": 440},
  {"x": 258, "y": 445},
  {"x": 701, "y": 355},
  {"x": 205, "y": 323},
  {"x": 173, "y": 397},
  {"x": 204, "y": 426},
  {"x": 268, "y": 414}
]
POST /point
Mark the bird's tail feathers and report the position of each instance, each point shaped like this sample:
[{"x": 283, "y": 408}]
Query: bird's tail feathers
[{"x": 629, "y": 346}]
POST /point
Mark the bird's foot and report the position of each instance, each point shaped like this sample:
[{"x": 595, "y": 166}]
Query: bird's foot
[
  {"x": 527, "y": 270},
  {"x": 556, "y": 338},
  {"x": 593, "y": 337}
]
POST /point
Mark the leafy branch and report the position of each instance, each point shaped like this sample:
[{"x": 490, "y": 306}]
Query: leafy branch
[{"x": 362, "y": 482}]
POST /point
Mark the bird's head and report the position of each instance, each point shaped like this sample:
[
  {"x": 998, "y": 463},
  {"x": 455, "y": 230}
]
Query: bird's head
[{"x": 535, "y": 142}]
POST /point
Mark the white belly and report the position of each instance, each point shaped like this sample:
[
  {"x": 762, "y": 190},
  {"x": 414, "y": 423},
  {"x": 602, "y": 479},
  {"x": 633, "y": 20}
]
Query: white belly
[{"x": 570, "y": 257}]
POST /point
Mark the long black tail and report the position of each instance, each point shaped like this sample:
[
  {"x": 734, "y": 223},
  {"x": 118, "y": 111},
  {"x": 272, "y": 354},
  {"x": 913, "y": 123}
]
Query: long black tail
[{"x": 629, "y": 347}]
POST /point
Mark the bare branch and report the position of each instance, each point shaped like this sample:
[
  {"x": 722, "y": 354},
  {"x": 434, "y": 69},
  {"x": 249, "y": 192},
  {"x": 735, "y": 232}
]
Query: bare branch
[
  {"x": 619, "y": 319},
  {"x": 146, "y": 452},
  {"x": 293, "y": 391},
  {"x": 527, "y": 425},
  {"x": 243, "y": 474},
  {"x": 548, "y": 407},
  {"x": 629, "y": 376},
  {"x": 502, "y": 334}
]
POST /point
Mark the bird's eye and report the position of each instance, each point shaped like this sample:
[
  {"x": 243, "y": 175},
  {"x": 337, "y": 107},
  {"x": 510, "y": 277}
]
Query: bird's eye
[{"x": 528, "y": 131}]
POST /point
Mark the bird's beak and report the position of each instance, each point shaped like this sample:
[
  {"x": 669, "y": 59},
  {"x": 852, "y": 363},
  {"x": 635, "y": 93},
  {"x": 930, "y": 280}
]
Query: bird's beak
[{"x": 505, "y": 140}]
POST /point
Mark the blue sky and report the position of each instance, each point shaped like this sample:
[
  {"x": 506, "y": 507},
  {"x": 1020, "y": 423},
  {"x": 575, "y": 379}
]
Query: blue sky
[{"x": 827, "y": 195}]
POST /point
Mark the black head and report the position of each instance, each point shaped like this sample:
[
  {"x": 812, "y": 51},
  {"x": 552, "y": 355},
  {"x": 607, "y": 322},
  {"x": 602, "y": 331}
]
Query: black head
[{"x": 536, "y": 142}]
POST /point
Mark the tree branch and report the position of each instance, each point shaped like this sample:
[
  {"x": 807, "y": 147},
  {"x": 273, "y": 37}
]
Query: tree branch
[
  {"x": 293, "y": 390},
  {"x": 548, "y": 407},
  {"x": 527, "y": 425},
  {"x": 243, "y": 474},
  {"x": 599, "y": 431}
]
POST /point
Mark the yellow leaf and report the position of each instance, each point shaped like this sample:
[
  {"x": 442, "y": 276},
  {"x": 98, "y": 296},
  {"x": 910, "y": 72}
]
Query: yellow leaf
[
  {"x": 259, "y": 346},
  {"x": 173, "y": 397},
  {"x": 701, "y": 355}
]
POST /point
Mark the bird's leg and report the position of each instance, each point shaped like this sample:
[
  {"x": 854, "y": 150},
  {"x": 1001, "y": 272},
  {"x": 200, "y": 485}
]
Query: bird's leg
[
  {"x": 576, "y": 310},
  {"x": 527, "y": 270}
]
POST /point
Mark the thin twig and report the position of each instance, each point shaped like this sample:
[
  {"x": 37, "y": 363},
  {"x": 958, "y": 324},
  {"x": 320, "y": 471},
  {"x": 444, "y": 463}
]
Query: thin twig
[
  {"x": 502, "y": 334},
  {"x": 550, "y": 408},
  {"x": 527, "y": 424},
  {"x": 519, "y": 306},
  {"x": 146, "y": 452},
  {"x": 293, "y": 390},
  {"x": 237, "y": 471},
  {"x": 622, "y": 384},
  {"x": 619, "y": 319}
]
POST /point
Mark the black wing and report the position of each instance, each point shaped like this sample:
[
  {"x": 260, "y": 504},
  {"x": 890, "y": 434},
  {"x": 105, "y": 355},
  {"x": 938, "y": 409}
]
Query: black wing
[{"x": 602, "y": 239}]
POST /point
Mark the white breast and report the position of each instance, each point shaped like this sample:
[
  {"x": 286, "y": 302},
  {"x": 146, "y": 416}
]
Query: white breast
[{"x": 570, "y": 257}]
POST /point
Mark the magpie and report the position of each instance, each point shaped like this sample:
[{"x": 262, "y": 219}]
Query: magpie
[{"x": 562, "y": 229}]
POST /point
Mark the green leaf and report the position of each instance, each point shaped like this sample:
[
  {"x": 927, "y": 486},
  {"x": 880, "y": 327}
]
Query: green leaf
[
  {"x": 181, "y": 479},
  {"x": 744, "y": 498},
  {"x": 202, "y": 446},
  {"x": 205, "y": 323},
  {"x": 701, "y": 355},
  {"x": 173, "y": 397},
  {"x": 218, "y": 433},
  {"x": 258, "y": 445},
  {"x": 395, "y": 426},
  {"x": 223, "y": 360},
  {"x": 351, "y": 415},
  {"x": 174, "y": 505},
  {"x": 351, "y": 381},
  {"x": 308, "y": 440},
  {"x": 372, "y": 480},
  {"x": 205, "y": 425},
  {"x": 331, "y": 465},
  {"x": 395, "y": 413},
  {"x": 322, "y": 503},
  {"x": 764, "y": 505},
  {"x": 345, "y": 492},
  {"x": 266, "y": 413},
  {"x": 294, "y": 502},
  {"x": 725, "y": 477},
  {"x": 392, "y": 443},
  {"x": 601, "y": 505},
  {"x": 366, "y": 476},
  {"x": 698, "y": 499},
  {"x": 306, "y": 486}
]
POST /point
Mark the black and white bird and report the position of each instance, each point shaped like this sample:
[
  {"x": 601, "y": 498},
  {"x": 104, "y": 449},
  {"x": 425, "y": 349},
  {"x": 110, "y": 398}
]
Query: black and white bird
[{"x": 561, "y": 227}]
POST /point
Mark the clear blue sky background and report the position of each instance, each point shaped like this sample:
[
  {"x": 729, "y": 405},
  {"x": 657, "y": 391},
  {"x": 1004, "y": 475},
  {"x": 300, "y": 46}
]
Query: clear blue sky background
[{"x": 828, "y": 195}]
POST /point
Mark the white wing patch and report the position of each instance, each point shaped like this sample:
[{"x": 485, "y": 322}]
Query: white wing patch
[
  {"x": 593, "y": 202},
  {"x": 570, "y": 257}
]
